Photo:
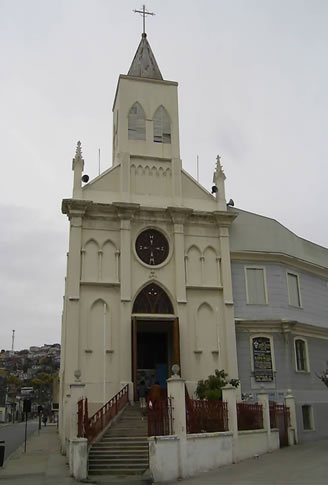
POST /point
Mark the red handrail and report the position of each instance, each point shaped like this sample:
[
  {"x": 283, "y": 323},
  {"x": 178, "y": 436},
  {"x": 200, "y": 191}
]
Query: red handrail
[{"x": 91, "y": 427}]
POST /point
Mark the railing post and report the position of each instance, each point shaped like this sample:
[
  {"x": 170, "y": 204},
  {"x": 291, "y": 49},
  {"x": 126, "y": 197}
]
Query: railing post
[
  {"x": 229, "y": 395},
  {"x": 290, "y": 403},
  {"x": 176, "y": 392},
  {"x": 76, "y": 391},
  {"x": 263, "y": 399}
]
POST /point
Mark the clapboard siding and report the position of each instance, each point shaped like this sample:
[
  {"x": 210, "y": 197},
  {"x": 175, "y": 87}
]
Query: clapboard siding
[{"x": 314, "y": 295}]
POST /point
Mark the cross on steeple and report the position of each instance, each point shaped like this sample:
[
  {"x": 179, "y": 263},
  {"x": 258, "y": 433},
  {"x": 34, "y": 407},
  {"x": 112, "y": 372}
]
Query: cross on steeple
[{"x": 143, "y": 12}]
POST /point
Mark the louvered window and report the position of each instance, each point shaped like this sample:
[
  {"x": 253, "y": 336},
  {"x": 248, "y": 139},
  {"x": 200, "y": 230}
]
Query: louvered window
[
  {"x": 136, "y": 125},
  {"x": 162, "y": 126}
]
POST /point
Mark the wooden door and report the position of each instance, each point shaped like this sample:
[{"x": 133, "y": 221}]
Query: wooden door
[
  {"x": 176, "y": 344},
  {"x": 134, "y": 356}
]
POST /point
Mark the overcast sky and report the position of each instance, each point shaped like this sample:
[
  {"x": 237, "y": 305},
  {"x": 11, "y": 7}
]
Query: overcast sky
[{"x": 253, "y": 82}]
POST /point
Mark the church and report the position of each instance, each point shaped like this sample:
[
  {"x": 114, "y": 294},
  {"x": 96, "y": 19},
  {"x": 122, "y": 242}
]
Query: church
[
  {"x": 148, "y": 273},
  {"x": 162, "y": 272}
]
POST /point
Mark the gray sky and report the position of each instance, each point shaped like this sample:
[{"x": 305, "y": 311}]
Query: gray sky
[{"x": 253, "y": 82}]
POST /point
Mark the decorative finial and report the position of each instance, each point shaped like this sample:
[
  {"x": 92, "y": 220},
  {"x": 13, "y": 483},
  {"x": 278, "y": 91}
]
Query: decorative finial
[
  {"x": 218, "y": 171},
  {"x": 78, "y": 153},
  {"x": 175, "y": 369},
  {"x": 143, "y": 12},
  {"x": 219, "y": 167},
  {"x": 77, "y": 374}
]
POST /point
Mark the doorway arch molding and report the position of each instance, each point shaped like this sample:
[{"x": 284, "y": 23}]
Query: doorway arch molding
[{"x": 153, "y": 299}]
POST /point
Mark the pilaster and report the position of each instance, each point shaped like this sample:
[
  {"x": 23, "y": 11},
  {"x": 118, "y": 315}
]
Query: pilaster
[
  {"x": 230, "y": 397},
  {"x": 229, "y": 358},
  {"x": 290, "y": 403},
  {"x": 179, "y": 216},
  {"x": 77, "y": 167},
  {"x": 263, "y": 399},
  {"x": 125, "y": 213},
  {"x": 72, "y": 323}
]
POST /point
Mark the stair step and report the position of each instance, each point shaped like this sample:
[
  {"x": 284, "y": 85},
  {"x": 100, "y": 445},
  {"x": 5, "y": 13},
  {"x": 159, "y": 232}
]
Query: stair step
[
  {"x": 118, "y": 466},
  {"x": 119, "y": 456},
  {"x": 118, "y": 462},
  {"x": 123, "y": 449},
  {"x": 115, "y": 471}
]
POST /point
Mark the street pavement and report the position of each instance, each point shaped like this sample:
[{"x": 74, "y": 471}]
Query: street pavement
[
  {"x": 14, "y": 434},
  {"x": 41, "y": 464},
  {"x": 303, "y": 464}
]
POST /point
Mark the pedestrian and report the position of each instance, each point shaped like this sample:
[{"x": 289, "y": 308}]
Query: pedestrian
[
  {"x": 154, "y": 394},
  {"x": 44, "y": 419},
  {"x": 142, "y": 391}
]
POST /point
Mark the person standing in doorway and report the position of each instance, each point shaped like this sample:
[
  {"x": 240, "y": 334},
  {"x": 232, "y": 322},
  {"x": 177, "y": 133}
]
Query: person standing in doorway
[
  {"x": 142, "y": 394},
  {"x": 155, "y": 394}
]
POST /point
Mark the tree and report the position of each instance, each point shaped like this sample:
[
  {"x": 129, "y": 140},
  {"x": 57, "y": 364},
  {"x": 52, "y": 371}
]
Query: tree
[
  {"x": 323, "y": 377},
  {"x": 211, "y": 388}
]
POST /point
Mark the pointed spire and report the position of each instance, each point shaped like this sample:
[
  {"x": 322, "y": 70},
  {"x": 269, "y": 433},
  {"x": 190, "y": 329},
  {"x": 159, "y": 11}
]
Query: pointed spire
[
  {"x": 218, "y": 180},
  {"x": 144, "y": 63},
  {"x": 78, "y": 159},
  {"x": 218, "y": 170},
  {"x": 78, "y": 153}
]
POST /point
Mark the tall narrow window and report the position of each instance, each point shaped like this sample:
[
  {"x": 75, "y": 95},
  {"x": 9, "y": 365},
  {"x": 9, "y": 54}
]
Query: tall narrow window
[
  {"x": 136, "y": 123},
  {"x": 307, "y": 417},
  {"x": 301, "y": 355},
  {"x": 162, "y": 126},
  {"x": 255, "y": 286},
  {"x": 294, "y": 295}
]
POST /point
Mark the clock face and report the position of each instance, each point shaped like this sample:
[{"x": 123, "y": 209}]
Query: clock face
[{"x": 152, "y": 247}]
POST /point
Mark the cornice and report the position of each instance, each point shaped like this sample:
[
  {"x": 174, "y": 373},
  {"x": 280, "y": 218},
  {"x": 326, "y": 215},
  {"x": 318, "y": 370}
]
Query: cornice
[
  {"x": 224, "y": 218},
  {"x": 179, "y": 215},
  {"x": 281, "y": 258},
  {"x": 91, "y": 209},
  {"x": 74, "y": 207},
  {"x": 126, "y": 210},
  {"x": 282, "y": 326},
  {"x": 148, "y": 79}
]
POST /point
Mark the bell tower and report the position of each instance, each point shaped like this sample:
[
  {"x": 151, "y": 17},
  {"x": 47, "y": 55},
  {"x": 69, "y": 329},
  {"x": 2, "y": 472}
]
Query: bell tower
[{"x": 145, "y": 111}]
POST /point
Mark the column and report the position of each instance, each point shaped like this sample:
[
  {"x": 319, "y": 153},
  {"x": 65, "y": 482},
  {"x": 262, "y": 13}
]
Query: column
[
  {"x": 72, "y": 326},
  {"x": 230, "y": 351},
  {"x": 176, "y": 391},
  {"x": 229, "y": 395},
  {"x": 179, "y": 216},
  {"x": 77, "y": 391},
  {"x": 125, "y": 213},
  {"x": 290, "y": 403},
  {"x": 263, "y": 400}
]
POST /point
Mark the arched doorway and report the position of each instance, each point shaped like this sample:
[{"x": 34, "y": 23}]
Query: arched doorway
[{"x": 155, "y": 337}]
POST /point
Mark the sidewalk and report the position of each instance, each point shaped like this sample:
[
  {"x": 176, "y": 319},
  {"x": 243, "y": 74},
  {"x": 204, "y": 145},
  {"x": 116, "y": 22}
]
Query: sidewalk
[{"x": 41, "y": 464}]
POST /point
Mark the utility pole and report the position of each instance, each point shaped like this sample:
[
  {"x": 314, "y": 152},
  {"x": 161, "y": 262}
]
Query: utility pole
[{"x": 13, "y": 341}]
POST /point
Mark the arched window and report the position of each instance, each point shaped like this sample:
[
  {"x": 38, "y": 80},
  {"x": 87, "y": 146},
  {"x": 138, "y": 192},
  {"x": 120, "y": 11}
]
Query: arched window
[
  {"x": 136, "y": 124},
  {"x": 152, "y": 300},
  {"x": 162, "y": 126}
]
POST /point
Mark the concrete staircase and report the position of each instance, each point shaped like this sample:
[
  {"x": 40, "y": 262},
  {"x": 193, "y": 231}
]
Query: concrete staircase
[{"x": 123, "y": 449}]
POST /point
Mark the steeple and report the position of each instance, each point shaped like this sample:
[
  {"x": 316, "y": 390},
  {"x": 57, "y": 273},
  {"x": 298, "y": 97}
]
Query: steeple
[
  {"x": 218, "y": 180},
  {"x": 144, "y": 63}
]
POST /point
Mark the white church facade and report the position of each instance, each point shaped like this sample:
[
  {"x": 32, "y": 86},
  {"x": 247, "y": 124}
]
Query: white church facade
[
  {"x": 148, "y": 273},
  {"x": 161, "y": 272}
]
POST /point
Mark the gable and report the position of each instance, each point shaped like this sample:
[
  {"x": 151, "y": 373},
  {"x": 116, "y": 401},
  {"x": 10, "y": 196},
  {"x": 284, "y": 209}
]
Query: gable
[
  {"x": 192, "y": 191},
  {"x": 108, "y": 181}
]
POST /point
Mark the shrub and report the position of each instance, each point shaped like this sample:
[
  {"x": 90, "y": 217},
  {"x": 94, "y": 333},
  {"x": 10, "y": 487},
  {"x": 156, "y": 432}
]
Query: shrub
[{"x": 211, "y": 388}]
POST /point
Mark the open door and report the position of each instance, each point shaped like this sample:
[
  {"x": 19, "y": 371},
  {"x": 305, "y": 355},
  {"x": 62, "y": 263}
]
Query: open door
[
  {"x": 176, "y": 344},
  {"x": 134, "y": 356}
]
